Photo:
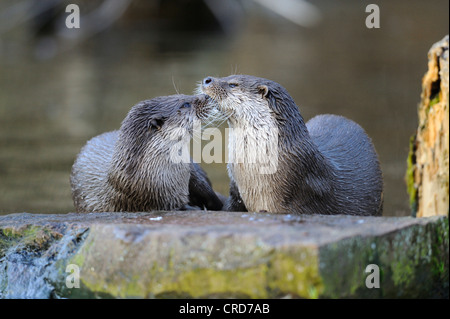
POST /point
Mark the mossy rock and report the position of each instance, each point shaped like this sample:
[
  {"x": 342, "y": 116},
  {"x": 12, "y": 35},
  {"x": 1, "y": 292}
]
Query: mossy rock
[{"x": 201, "y": 254}]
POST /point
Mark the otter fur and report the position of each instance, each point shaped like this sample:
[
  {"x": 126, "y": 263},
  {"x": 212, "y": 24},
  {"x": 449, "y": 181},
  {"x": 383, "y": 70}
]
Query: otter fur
[
  {"x": 132, "y": 169},
  {"x": 326, "y": 166}
]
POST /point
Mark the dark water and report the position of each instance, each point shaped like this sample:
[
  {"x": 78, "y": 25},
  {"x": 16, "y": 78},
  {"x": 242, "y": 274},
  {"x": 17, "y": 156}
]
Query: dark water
[{"x": 50, "y": 107}]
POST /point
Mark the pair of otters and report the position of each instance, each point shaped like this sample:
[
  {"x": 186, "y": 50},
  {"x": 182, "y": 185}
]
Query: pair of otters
[{"x": 326, "y": 166}]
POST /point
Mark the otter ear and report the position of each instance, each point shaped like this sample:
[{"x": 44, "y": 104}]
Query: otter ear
[
  {"x": 156, "y": 123},
  {"x": 263, "y": 90}
]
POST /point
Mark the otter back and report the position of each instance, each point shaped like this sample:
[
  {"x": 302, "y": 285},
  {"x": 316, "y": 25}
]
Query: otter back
[
  {"x": 89, "y": 176},
  {"x": 351, "y": 153}
]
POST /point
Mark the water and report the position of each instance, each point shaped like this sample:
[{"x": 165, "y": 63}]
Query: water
[{"x": 50, "y": 106}]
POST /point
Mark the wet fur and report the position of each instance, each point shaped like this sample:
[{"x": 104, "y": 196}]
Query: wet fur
[
  {"x": 327, "y": 166},
  {"x": 131, "y": 169}
]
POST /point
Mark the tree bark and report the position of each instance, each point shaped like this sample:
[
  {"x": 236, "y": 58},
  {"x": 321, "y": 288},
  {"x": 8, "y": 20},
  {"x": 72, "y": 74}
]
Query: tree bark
[{"x": 428, "y": 164}]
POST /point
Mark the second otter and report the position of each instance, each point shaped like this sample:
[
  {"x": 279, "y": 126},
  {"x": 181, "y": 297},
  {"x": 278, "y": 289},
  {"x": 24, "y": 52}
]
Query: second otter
[
  {"x": 133, "y": 169},
  {"x": 328, "y": 166}
]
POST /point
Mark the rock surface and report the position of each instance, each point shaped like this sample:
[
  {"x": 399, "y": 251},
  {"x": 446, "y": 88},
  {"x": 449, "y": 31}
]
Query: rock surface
[
  {"x": 221, "y": 254},
  {"x": 428, "y": 175}
]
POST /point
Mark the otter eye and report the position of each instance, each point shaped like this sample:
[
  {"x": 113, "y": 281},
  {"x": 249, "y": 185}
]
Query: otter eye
[
  {"x": 185, "y": 105},
  {"x": 232, "y": 85}
]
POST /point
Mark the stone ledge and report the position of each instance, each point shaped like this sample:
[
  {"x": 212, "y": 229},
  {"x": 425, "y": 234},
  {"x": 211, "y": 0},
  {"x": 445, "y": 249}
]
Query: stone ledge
[{"x": 198, "y": 254}]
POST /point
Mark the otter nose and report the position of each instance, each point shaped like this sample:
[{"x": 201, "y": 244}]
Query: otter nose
[{"x": 207, "y": 81}]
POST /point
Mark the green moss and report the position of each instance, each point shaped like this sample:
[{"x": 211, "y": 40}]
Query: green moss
[
  {"x": 5, "y": 242},
  {"x": 409, "y": 177},
  {"x": 434, "y": 101},
  {"x": 413, "y": 263},
  {"x": 29, "y": 237},
  {"x": 420, "y": 259},
  {"x": 77, "y": 259},
  {"x": 249, "y": 282},
  {"x": 439, "y": 261},
  {"x": 13, "y": 233},
  {"x": 281, "y": 275},
  {"x": 299, "y": 277},
  {"x": 402, "y": 273},
  {"x": 343, "y": 265}
]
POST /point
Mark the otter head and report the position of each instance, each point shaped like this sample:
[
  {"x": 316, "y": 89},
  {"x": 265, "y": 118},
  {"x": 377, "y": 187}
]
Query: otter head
[
  {"x": 248, "y": 98},
  {"x": 153, "y": 127},
  {"x": 164, "y": 116}
]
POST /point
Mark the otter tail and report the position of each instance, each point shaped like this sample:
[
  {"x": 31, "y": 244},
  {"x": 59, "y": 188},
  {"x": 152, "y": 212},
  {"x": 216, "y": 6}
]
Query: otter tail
[{"x": 350, "y": 151}]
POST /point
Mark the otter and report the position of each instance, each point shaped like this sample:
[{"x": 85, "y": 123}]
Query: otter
[
  {"x": 136, "y": 168},
  {"x": 327, "y": 166}
]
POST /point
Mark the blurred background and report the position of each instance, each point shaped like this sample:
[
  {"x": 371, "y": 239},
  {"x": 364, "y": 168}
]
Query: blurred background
[{"x": 59, "y": 87}]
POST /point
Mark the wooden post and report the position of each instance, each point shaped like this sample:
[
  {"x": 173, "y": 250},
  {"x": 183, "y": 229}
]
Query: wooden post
[{"x": 427, "y": 175}]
